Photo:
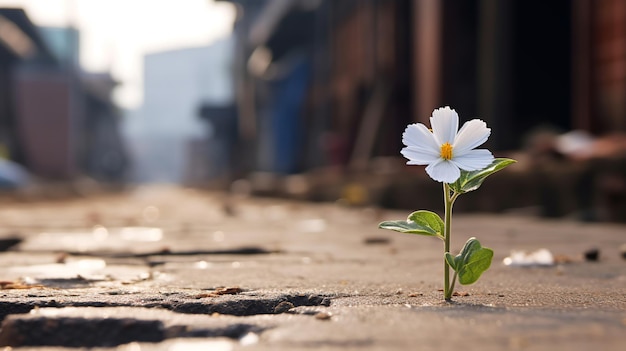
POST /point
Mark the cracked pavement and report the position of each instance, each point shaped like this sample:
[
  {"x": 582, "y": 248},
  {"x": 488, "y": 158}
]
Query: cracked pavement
[{"x": 166, "y": 268}]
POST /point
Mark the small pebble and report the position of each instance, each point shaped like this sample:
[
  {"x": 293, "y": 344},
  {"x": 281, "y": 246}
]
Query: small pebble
[
  {"x": 376, "y": 241},
  {"x": 283, "y": 307},
  {"x": 592, "y": 255},
  {"x": 323, "y": 316}
]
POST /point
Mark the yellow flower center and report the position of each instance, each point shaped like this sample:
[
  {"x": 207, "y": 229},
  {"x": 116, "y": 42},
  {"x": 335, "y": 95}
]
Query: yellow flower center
[{"x": 446, "y": 151}]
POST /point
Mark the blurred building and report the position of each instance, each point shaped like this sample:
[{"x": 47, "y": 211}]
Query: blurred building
[
  {"x": 55, "y": 120},
  {"x": 360, "y": 70},
  {"x": 326, "y": 85},
  {"x": 169, "y": 141}
]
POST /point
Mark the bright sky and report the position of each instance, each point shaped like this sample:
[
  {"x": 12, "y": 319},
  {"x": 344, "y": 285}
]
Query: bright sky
[{"x": 115, "y": 34}]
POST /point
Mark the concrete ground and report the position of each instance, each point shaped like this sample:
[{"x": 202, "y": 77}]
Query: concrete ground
[{"x": 163, "y": 268}]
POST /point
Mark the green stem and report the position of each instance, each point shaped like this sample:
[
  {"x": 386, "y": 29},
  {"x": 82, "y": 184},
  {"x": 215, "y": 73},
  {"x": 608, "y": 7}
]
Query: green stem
[
  {"x": 448, "y": 202},
  {"x": 447, "y": 218},
  {"x": 453, "y": 281}
]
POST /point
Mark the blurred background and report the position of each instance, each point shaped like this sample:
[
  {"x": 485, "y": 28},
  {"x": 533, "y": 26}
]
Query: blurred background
[{"x": 308, "y": 99}]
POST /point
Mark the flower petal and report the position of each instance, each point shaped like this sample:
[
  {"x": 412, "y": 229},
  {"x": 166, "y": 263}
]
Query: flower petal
[
  {"x": 443, "y": 171},
  {"x": 418, "y": 156},
  {"x": 445, "y": 123},
  {"x": 474, "y": 160},
  {"x": 473, "y": 134},
  {"x": 419, "y": 136}
]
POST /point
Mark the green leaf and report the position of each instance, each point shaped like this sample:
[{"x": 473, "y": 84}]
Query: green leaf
[
  {"x": 471, "y": 262},
  {"x": 451, "y": 261},
  {"x": 419, "y": 222},
  {"x": 470, "y": 181}
]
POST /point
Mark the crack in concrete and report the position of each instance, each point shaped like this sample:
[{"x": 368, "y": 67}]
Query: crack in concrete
[
  {"x": 24, "y": 326},
  {"x": 108, "y": 332},
  {"x": 79, "y": 332},
  {"x": 236, "y": 306}
]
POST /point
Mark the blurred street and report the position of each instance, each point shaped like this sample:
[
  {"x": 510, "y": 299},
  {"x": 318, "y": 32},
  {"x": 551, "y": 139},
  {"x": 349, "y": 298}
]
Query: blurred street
[{"x": 170, "y": 268}]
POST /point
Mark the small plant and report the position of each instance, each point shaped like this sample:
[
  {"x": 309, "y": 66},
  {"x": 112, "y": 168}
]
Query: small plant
[{"x": 451, "y": 158}]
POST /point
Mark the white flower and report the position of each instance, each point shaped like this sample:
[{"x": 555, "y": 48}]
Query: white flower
[{"x": 445, "y": 150}]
